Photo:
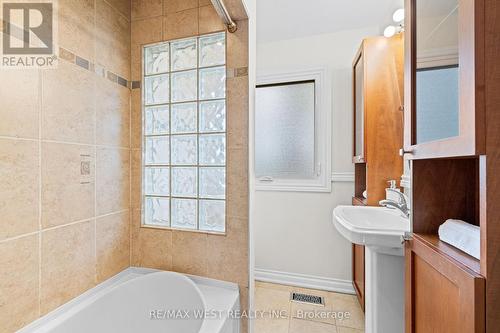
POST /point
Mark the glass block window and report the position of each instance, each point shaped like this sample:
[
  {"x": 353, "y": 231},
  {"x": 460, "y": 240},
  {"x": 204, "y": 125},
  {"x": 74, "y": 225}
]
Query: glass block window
[{"x": 184, "y": 134}]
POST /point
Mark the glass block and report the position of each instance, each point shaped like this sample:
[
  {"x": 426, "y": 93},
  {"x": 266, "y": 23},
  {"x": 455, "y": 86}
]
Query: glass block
[
  {"x": 157, "y": 150},
  {"x": 156, "y": 89},
  {"x": 213, "y": 50},
  {"x": 156, "y": 211},
  {"x": 156, "y": 59},
  {"x": 156, "y": 120},
  {"x": 212, "y": 149},
  {"x": 184, "y": 150},
  {"x": 184, "y": 86},
  {"x": 213, "y": 215},
  {"x": 184, "y": 213},
  {"x": 184, "y": 118},
  {"x": 213, "y": 116},
  {"x": 213, "y": 183},
  {"x": 213, "y": 83},
  {"x": 184, "y": 54},
  {"x": 184, "y": 182},
  {"x": 156, "y": 181}
]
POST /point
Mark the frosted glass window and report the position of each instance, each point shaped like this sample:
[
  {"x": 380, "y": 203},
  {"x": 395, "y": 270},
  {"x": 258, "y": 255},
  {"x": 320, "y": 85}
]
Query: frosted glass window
[
  {"x": 437, "y": 104},
  {"x": 184, "y": 134},
  {"x": 285, "y": 130}
]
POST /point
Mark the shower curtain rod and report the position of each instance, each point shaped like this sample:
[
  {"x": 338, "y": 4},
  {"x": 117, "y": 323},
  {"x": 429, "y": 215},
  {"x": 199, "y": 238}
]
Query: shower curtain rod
[{"x": 224, "y": 15}]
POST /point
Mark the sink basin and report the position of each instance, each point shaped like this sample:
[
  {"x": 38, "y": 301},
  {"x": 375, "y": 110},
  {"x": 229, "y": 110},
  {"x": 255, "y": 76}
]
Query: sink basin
[
  {"x": 371, "y": 226},
  {"x": 380, "y": 230}
]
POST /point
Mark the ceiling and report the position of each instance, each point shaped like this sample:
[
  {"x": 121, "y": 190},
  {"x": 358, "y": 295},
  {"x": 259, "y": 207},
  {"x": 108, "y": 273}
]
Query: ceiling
[{"x": 285, "y": 19}]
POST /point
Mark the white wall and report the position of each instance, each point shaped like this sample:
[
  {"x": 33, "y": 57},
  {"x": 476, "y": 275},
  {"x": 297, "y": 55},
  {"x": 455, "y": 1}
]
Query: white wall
[
  {"x": 293, "y": 231},
  {"x": 251, "y": 9}
]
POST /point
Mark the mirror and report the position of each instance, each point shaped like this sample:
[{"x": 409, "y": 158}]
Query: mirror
[
  {"x": 437, "y": 74},
  {"x": 359, "y": 109}
]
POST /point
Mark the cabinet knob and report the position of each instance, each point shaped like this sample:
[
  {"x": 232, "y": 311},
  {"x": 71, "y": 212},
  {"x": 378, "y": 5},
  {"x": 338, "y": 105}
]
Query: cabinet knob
[
  {"x": 407, "y": 236},
  {"x": 402, "y": 152}
]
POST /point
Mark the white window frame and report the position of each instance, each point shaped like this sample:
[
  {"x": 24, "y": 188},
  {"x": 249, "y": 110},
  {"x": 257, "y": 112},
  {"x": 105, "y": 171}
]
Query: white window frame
[{"x": 322, "y": 134}]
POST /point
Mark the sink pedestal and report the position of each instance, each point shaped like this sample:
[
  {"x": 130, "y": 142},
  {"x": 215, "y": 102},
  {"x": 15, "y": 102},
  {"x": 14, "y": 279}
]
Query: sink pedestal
[
  {"x": 384, "y": 287},
  {"x": 381, "y": 231}
]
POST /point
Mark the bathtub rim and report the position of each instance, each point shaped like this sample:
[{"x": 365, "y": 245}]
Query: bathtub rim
[{"x": 127, "y": 274}]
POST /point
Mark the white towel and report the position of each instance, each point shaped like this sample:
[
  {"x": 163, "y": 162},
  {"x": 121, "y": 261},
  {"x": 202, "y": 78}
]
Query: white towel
[{"x": 461, "y": 235}]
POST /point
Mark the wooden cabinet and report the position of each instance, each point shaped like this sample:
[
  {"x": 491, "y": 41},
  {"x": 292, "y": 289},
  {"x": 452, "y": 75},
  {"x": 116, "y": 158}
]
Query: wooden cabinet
[
  {"x": 455, "y": 174},
  {"x": 444, "y": 78},
  {"x": 378, "y": 117},
  {"x": 358, "y": 272},
  {"x": 358, "y": 265},
  {"x": 378, "y": 129},
  {"x": 443, "y": 294}
]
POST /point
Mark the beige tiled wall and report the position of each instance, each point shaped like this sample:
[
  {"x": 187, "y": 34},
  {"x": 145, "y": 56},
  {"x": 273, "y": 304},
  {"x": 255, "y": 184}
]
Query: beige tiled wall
[
  {"x": 215, "y": 256},
  {"x": 61, "y": 233}
]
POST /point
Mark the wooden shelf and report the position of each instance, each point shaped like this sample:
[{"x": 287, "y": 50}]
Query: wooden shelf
[
  {"x": 357, "y": 201},
  {"x": 450, "y": 252}
]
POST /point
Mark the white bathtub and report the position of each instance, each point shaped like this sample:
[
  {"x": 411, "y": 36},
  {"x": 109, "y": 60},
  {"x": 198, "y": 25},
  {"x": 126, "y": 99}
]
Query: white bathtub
[{"x": 138, "y": 301}]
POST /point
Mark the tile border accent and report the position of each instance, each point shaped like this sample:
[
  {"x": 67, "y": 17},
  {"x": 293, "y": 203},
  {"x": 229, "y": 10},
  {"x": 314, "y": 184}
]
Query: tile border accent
[
  {"x": 136, "y": 85},
  {"x": 305, "y": 281},
  {"x": 96, "y": 68},
  {"x": 236, "y": 72}
]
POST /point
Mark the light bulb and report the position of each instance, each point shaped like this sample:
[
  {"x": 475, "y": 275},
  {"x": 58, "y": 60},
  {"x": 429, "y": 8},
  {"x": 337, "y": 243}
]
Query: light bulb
[
  {"x": 399, "y": 15},
  {"x": 390, "y": 31}
]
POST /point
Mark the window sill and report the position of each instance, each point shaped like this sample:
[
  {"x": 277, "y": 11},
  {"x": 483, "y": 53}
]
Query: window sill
[{"x": 217, "y": 233}]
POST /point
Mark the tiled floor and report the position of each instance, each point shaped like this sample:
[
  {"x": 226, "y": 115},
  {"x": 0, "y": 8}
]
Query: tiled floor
[{"x": 305, "y": 318}]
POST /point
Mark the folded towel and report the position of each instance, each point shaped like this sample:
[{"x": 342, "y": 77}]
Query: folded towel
[
  {"x": 461, "y": 235},
  {"x": 365, "y": 195}
]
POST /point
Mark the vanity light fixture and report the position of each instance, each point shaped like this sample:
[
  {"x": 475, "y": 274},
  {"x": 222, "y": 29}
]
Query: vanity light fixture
[
  {"x": 390, "y": 31},
  {"x": 398, "y": 17}
]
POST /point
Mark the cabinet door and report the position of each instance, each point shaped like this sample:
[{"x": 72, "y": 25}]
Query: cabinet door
[
  {"x": 444, "y": 78},
  {"x": 358, "y": 73},
  {"x": 442, "y": 296},
  {"x": 358, "y": 272}
]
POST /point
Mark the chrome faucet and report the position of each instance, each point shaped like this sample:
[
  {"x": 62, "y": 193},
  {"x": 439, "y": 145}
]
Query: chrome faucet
[{"x": 401, "y": 204}]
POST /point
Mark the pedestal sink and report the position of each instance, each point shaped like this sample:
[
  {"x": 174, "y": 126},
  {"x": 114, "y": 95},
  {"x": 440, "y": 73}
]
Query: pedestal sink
[{"x": 381, "y": 231}]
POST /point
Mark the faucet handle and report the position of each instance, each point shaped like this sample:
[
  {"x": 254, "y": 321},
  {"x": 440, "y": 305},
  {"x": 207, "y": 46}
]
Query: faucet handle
[
  {"x": 392, "y": 183},
  {"x": 403, "y": 199}
]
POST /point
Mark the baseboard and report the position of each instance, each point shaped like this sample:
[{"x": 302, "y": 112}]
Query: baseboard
[{"x": 304, "y": 281}]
